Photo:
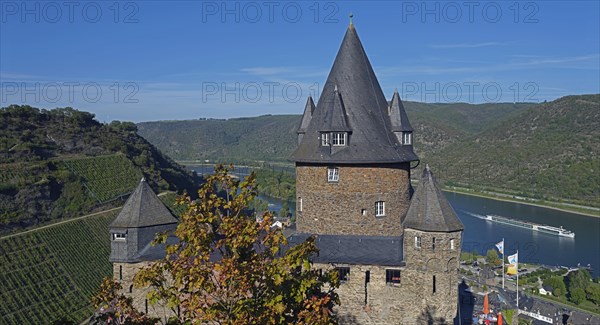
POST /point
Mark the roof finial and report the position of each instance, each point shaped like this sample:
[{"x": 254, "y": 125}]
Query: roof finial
[
  {"x": 335, "y": 89},
  {"x": 427, "y": 167},
  {"x": 143, "y": 179},
  {"x": 351, "y": 16}
]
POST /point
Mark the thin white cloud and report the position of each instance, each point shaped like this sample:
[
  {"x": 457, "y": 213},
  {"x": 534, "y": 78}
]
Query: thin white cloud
[
  {"x": 464, "y": 45},
  {"x": 589, "y": 61},
  {"x": 265, "y": 71}
]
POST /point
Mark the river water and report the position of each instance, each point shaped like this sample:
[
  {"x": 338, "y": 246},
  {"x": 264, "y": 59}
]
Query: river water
[{"x": 533, "y": 246}]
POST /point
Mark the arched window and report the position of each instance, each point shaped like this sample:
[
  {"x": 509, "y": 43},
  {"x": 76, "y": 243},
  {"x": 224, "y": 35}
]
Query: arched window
[
  {"x": 434, "y": 284},
  {"x": 131, "y": 288}
]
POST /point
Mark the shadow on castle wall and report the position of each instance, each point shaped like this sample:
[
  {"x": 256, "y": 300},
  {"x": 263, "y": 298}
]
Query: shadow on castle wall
[{"x": 466, "y": 305}]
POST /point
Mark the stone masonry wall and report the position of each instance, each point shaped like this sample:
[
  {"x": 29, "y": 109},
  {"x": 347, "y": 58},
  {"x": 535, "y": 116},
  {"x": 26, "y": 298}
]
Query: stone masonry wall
[
  {"x": 124, "y": 273},
  {"x": 336, "y": 207},
  {"x": 410, "y": 302}
]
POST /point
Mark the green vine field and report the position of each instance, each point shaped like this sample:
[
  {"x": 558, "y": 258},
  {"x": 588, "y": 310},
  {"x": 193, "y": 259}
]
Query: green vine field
[{"x": 49, "y": 275}]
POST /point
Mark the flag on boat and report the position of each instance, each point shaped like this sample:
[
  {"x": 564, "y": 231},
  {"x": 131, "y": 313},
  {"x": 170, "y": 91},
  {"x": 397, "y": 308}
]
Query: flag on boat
[{"x": 500, "y": 247}]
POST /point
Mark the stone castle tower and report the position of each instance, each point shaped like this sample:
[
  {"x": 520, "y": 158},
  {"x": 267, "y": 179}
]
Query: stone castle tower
[
  {"x": 397, "y": 252},
  {"x": 131, "y": 233}
]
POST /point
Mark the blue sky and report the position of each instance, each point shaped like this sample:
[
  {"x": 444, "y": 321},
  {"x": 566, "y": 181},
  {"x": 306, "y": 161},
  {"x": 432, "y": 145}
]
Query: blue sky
[{"x": 155, "y": 60}]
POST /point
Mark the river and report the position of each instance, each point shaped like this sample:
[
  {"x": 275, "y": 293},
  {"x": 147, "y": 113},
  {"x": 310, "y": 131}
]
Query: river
[{"x": 533, "y": 246}]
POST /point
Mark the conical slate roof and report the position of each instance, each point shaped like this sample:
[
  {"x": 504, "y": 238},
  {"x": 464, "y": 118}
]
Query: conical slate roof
[
  {"x": 309, "y": 109},
  {"x": 398, "y": 115},
  {"x": 429, "y": 209},
  {"x": 366, "y": 114},
  {"x": 143, "y": 209}
]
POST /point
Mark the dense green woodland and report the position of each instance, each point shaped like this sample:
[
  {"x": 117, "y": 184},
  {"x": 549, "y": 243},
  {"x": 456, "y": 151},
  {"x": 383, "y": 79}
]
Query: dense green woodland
[
  {"x": 62, "y": 163},
  {"x": 547, "y": 150}
]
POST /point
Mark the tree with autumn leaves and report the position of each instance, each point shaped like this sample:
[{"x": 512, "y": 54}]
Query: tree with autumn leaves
[{"x": 229, "y": 268}]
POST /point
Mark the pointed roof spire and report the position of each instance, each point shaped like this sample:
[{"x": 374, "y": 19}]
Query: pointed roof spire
[
  {"x": 398, "y": 115},
  {"x": 365, "y": 108},
  {"x": 143, "y": 209},
  {"x": 335, "y": 118},
  {"x": 429, "y": 209},
  {"x": 309, "y": 110}
]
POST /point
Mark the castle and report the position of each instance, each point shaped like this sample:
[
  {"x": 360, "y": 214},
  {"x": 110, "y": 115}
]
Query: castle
[{"x": 396, "y": 250}]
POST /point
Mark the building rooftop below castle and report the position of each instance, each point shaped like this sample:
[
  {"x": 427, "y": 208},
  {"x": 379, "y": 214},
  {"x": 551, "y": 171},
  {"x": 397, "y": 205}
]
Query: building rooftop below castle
[{"x": 363, "y": 250}]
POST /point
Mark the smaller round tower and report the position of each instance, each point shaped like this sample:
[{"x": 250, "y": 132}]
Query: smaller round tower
[{"x": 432, "y": 241}]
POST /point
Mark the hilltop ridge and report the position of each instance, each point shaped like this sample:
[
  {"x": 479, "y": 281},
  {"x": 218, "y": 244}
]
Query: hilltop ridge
[
  {"x": 63, "y": 163},
  {"x": 554, "y": 144}
]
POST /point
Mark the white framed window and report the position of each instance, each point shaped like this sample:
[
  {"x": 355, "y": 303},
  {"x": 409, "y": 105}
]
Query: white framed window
[
  {"x": 452, "y": 244},
  {"x": 324, "y": 139},
  {"x": 333, "y": 174},
  {"x": 119, "y": 237},
  {"x": 379, "y": 208},
  {"x": 407, "y": 137},
  {"x": 417, "y": 242},
  {"x": 339, "y": 139}
]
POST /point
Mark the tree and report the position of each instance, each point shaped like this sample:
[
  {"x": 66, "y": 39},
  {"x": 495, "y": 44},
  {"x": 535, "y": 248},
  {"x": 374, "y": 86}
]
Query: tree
[
  {"x": 492, "y": 258},
  {"x": 227, "y": 268},
  {"x": 115, "y": 307},
  {"x": 579, "y": 279},
  {"x": 593, "y": 293},
  {"x": 578, "y": 296},
  {"x": 284, "y": 212},
  {"x": 557, "y": 284}
]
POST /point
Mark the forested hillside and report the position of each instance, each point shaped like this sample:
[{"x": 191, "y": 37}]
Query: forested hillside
[
  {"x": 267, "y": 138},
  {"x": 551, "y": 151},
  {"x": 547, "y": 150},
  {"x": 63, "y": 163}
]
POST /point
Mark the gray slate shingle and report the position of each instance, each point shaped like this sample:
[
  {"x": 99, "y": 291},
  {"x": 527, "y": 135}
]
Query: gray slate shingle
[
  {"x": 143, "y": 209},
  {"x": 366, "y": 114},
  {"x": 345, "y": 249},
  {"x": 429, "y": 209}
]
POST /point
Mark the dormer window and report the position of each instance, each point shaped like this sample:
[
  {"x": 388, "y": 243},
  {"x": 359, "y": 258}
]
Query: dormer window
[
  {"x": 339, "y": 139},
  {"x": 119, "y": 237},
  {"x": 325, "y": 139},
  {"x": 406, "y": 138}
]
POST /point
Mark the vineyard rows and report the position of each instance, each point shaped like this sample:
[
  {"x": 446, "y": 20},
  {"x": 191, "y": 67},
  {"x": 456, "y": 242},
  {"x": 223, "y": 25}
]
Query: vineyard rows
[
  {"x": 51, "y": 274},
  {"x": 16, "y": 175},
  {"x": 106, "y": 177}
]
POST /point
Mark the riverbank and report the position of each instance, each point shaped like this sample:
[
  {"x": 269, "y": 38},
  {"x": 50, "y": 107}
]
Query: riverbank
[{"x": 583, "y": 210}]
